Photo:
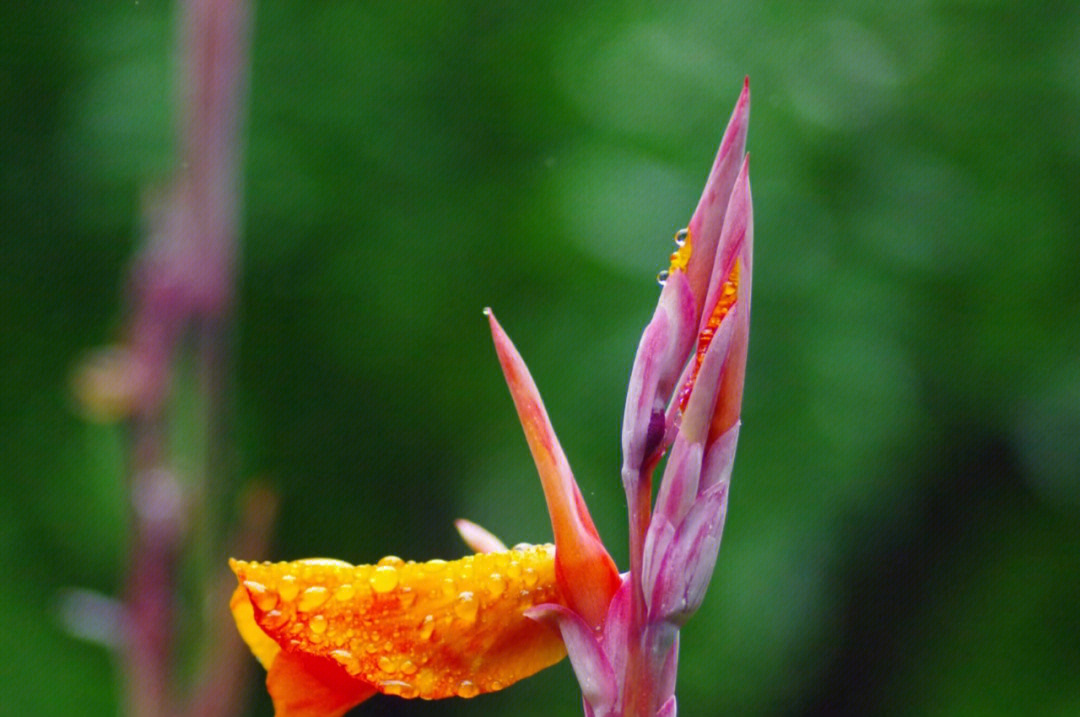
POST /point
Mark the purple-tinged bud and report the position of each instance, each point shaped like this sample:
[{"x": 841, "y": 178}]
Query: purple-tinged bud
[{"x": 664, "y": 348}]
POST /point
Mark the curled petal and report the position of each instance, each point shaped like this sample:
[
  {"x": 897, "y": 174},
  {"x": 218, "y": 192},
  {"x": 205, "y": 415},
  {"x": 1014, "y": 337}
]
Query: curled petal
[
  {"x": 720, "y": 459},
  {"x": 432, "y": 630},
  {"x": 739, "y": 237},
  {"x": 657, "y": 543},
  {"x": 478, "y": 538},
  {"x": 585, "y": 570},
  {"x": 668, "y": 709},
  {"x": 686, "y": 567},
  {"x": 616, "y": 626},
  {"x": 702, "y": 401},
  {"x": 661, "y": 355},
  {"x": 306, "y": 686},
  {"x": 682, "y": 474},
  {"x": 709, "y": 217},
  {"x": 594, "y": 672}
]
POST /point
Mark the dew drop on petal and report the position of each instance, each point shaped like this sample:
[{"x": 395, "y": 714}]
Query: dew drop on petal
[
  {"x": 407, "y": 597},
  {"x": 680, "y": 236},
  {"x": 344, "y": 593},
  {"x": 387, "y": 665},
  {"x": 400, "y": 688},
  {"x": 312, "y": 598},
  {"x": 408, "y": 667},
  {"x": 529, "y": 577},
  {"x": 347, "y": 660},
  {"x": 274, "y": 619},
  {"x": 496, "y": 585},
  {"x": 435, "y": 566},
  {"x": 662, "y": 277},
  {"x": 384, "y": 579},
  {"x": 317, "y": 624},
  {"x": 466, "y": 689},
  {"x": 260, "y": 596},
  {"x": 427, "y": 627},
  {"x": 466, "y": 607},
  {"x": 288, "y": 588}
]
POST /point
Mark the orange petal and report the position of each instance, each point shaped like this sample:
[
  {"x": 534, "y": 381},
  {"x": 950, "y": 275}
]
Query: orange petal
[
  {"x": 300, "y": 686},
  {"x": 307, "y": 686},
  {"x": 431, "y": 630},
  {"x": 262, "y": 646},
  {"x": 586, "y": 572}
]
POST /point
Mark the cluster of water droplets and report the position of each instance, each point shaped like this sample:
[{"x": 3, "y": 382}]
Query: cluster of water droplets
[
  {"x": 380, "y": 622},
  {"x": 680, "y": 240}
]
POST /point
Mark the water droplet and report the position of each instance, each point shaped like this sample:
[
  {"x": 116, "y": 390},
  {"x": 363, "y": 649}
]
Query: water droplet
[
  {"x": 495, "y": 686},
  {"x": 274, "y": 619},
  {"x": 387, "y": 665},
  {"x": 384, "y": 579},
  {"x": 680, "y": 236},
  {"x": 522, "y": 547},
  {"x": 435, "y": 566},
  {"x": 318, "y": 624},
  {"x": 400, "y": 688},
  {"x": 260, "y": 596},
  {"x": 325, "y": 562},
  {"x": 344, "y": 593},
  {"x": 427, "y": 627},
  {"x": 347, "y": 660},
  {"x": 391, "y": 560},
  {"x": 496, "y": 585},
  {"x": 407, "y": 597},
  {"x": 466, "y": 606},
  {"x": 288, "y": 588},
  {"x": 426, "y": 681},
  {"x": 662, "y": 277},
  {"x": 513, "y": 570},
  {"x": 408, "y": 667},
  {"x": 449, "y": 587},
  {"x": 530, "y": 578},
  {"x": 312, "y": 598},
  {"x": 467, "y": 689},
  {"x": 371, "y": 648}
]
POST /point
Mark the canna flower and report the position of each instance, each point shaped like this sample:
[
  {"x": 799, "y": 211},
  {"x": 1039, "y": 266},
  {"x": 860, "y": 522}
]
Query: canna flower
[{"x": 332, "y": 634}]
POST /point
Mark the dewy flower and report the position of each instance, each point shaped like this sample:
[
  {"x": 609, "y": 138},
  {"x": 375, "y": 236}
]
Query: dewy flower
[{"x": 332, "y": 634}]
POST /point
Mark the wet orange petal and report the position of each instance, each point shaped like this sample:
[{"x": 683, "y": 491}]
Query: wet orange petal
[
  {"x": 431, "y": 630},
  {"x": 306, "y": 686}
]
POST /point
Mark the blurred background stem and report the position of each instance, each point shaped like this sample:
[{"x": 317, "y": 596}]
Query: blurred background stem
[{"x": 181, "y": 303}]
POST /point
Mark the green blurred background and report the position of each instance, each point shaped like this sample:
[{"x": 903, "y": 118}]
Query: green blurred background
[{"x": 903, "y": 529}]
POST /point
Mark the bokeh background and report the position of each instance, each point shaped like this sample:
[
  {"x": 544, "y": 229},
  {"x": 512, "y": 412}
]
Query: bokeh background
[{"x": 903, "y": 529}]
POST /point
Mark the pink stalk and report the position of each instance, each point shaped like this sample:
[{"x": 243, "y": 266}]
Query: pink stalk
[
  {"x": 180, "y": 287},
  {"x": 685, "y": 392}
]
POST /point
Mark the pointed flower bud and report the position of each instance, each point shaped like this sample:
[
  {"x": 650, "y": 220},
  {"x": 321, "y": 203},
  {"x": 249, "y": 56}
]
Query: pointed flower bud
[
  {"x": 684, "y": 535},
  {"x": 585, "y": 570}
]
